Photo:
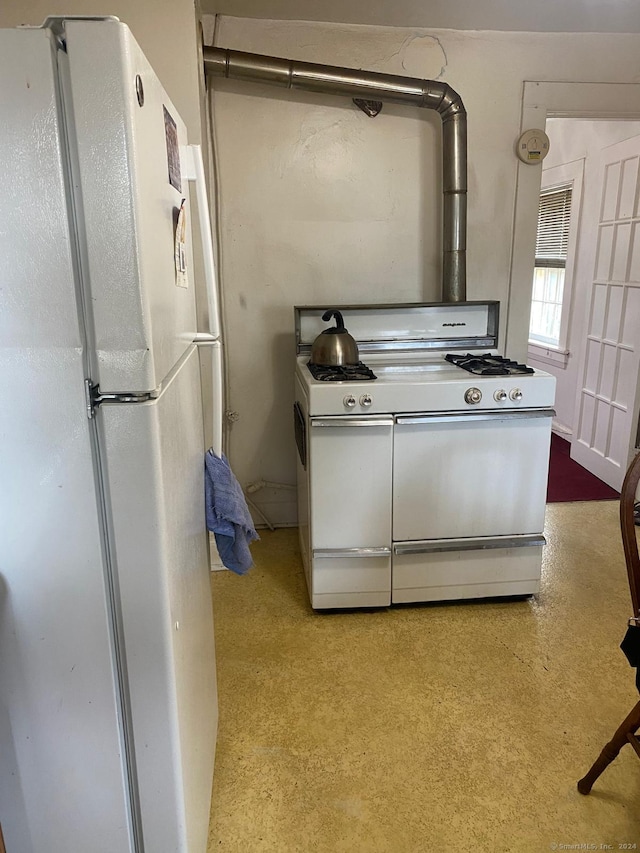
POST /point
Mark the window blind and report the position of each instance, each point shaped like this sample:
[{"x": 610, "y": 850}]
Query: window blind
[{"x": 554, "y": 215}]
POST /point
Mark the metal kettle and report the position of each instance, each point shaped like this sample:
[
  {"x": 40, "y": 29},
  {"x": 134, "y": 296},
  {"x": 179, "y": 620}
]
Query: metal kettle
[{"x": 334, "y": 346}]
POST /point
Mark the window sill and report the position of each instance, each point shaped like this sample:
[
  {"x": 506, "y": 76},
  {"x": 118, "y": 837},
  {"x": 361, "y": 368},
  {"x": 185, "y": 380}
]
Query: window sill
[{"x": 549, "y": 355}]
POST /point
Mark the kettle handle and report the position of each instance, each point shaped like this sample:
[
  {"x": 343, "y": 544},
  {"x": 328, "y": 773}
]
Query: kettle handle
[{"x": 333, "y": 312}]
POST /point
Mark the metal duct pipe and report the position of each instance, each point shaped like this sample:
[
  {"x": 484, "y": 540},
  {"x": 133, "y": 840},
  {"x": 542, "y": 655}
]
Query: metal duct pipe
[{"x": 372, "y": 85}]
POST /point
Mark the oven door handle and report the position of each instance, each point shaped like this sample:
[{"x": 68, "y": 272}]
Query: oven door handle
[
  {"x": 341, "y": 421},
  {"x": 451, "y": 417},
  {"x": 434, "y": 546}
]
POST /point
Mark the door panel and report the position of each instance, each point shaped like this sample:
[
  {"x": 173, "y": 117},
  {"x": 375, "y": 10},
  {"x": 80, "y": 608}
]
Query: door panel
[
  {"x": 607, "y": 383},
  {"x": 610, "y": 190},
  {"x": 634, "y": 265},
  {"x": 626, "y": 382},
  {"x": 621, "y": 253},
  {"x": 628, "y": 188},
  {"x": 598, "y": 311},
  {"x": 593, "y": 365},
  {"x": 631, "y": 321},
  {"x": 607, "y": 402},
  {"x": 605, "y": 248}
]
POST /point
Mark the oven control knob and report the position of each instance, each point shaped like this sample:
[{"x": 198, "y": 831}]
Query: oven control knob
[
  {"x": 515, "y": 394},
  {"x": 366, "y": 400},
  {"x": 349, "y": 401},
  {"x": 500, "y": 396},
  {"x": 472, "y": 395}
]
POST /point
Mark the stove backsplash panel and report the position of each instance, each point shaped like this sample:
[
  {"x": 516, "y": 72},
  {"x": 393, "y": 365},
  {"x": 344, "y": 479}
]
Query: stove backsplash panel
[{"x": 433, "y": 326}]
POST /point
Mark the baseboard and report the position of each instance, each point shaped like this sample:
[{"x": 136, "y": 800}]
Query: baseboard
[{"x": 562, "y": 430}]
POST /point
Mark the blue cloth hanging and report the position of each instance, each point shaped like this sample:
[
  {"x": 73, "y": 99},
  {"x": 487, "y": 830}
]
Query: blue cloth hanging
[{"x": 227, "y": 514}]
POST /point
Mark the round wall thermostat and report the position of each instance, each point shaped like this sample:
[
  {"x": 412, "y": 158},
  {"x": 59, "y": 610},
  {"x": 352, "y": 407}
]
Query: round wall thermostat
[{"x": 533, "y": 146}]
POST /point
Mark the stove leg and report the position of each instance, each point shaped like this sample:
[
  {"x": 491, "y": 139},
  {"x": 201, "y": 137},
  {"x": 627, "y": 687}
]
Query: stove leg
[{"x": 626, "y": 733}]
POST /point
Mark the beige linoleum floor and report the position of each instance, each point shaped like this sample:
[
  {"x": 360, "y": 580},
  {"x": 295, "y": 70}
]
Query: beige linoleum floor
[{"x": 426, "y": 728}]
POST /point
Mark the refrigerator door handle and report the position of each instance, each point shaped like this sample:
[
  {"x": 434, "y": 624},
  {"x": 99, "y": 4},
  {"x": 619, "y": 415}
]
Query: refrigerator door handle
[
  {"x": 192, "y": 165},
  {"x": 205, "y": 341},
  {"x": 94, "y": 397}
]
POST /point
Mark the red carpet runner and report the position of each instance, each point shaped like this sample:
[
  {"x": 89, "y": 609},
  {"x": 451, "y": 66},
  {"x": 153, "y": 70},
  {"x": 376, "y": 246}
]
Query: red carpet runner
[{"x": 569, "y": 481}]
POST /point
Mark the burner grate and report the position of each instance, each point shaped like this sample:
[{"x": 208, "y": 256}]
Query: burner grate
[
  {"x": 489, "y": 365},
  {"x": 341, "y": 373}
]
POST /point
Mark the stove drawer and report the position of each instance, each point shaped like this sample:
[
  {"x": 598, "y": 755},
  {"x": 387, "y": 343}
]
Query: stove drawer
[
  {"x": 350, "y": 482},
  {"x": 458, "y": 569},
  {"x": 341, "y": 571},
  {"x": 470, "y": 475}
]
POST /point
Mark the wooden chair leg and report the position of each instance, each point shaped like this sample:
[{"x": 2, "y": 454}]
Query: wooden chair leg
[{"x": 625, "y": 734}]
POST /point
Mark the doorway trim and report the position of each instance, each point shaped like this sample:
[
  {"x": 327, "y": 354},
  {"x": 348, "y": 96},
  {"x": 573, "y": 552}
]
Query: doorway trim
[{"x": 616, "y": 101}]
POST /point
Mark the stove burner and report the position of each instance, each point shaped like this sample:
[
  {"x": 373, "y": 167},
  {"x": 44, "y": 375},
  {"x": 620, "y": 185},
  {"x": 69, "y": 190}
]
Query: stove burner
[
  {"x": 341, "y": 373},
  {"x": 488, "y": 365}
]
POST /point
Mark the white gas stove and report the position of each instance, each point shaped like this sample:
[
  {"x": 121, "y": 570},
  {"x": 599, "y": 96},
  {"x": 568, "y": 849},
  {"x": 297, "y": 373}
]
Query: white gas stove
[
  {"x": 428, "y": 384},
  {"x": 427, "y": 482}
]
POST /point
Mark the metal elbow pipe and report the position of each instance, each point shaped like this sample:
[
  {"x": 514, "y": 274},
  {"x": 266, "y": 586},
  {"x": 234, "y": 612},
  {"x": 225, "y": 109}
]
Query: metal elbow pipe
[{"x": 429, "y": 94}]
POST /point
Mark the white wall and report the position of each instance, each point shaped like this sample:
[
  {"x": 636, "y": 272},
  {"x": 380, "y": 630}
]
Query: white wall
[
  {"x": 320, "y": 203},
  {"x": 576, "y": 140}
]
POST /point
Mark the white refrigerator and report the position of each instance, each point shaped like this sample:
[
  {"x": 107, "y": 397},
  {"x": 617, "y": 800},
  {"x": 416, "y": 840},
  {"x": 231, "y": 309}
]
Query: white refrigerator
[{"x": 108, "y": 704}]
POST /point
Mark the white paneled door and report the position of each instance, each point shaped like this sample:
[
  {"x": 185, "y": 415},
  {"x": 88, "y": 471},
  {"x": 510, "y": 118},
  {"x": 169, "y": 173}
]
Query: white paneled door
[{"x": 609, "y": 393}]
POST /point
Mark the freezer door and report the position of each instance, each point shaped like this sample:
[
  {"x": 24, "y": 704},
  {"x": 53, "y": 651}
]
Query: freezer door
[
  {"x": 154, "y": 469},
  {"x": 125, "y": 140},
  {"x": 62, "y": 780}
]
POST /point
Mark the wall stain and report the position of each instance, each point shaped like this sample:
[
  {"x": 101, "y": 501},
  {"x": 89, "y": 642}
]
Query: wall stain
[{"x": 411, "y": 53}]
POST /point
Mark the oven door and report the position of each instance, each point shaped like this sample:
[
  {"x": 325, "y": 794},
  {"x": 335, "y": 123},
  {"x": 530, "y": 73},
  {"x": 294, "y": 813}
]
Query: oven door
[
  {"x": 350, "y": 510},
  {"x": 350, "y": 476},
  {"x": 461, "y": 475}
]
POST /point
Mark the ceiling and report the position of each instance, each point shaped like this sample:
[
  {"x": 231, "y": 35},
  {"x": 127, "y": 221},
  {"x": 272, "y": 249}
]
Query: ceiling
[{"x": 605, "y": 16}]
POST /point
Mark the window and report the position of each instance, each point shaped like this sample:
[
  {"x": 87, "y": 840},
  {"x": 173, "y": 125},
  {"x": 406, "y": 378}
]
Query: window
[
  {"x": 556, "y": 249},
  {"x": 554, "y": 218}
]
